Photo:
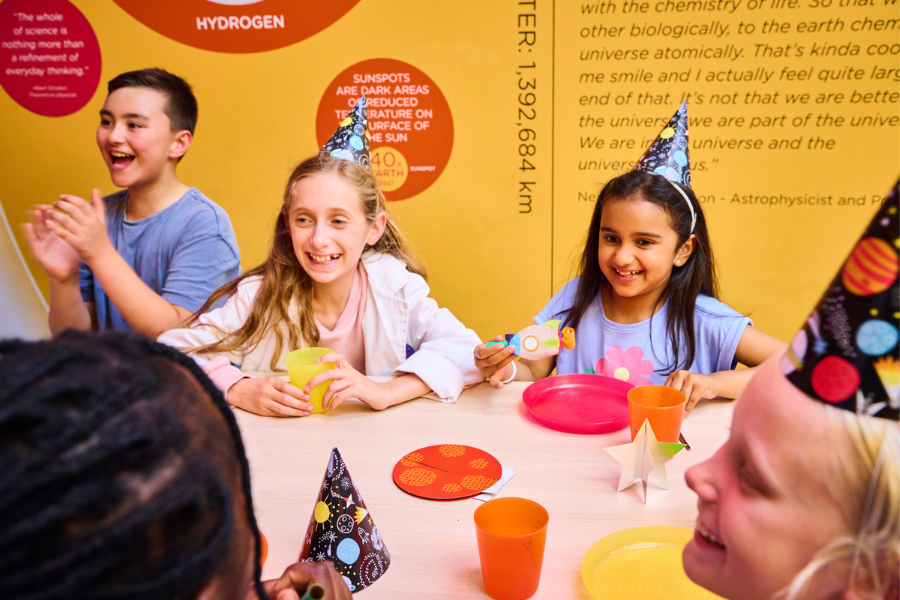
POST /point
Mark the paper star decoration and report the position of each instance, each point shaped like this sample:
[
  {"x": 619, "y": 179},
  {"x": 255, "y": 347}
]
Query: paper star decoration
[{"x": 644, "y": 459}]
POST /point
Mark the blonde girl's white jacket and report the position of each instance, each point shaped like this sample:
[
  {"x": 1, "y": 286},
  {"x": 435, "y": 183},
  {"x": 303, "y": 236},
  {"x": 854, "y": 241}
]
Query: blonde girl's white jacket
[{"x": 398, "y": 312}]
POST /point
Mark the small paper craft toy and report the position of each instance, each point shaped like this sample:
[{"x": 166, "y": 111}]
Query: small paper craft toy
[
  {"x": 669, "y": 155},
  {"x": 539, "y": 341},
  {"x": 644, "y": 459},
  {"x": 447, "y": 472},
  {"x": 342, "y": 532},
  {"x": 351, "y": 140},
  {"x": 846, "y": 352}
]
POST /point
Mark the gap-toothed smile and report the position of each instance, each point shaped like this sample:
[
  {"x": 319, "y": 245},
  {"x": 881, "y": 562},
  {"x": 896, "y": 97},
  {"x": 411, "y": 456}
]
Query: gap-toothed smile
[{"x": 325, "y": 259}]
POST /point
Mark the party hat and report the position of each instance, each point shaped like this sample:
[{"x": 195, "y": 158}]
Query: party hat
[
  {"x": 668, "y": 155},
  {"x": 846, "y": 352},
  {"x": 351, "y": 140},
  {"x": 341, "y": 530}
]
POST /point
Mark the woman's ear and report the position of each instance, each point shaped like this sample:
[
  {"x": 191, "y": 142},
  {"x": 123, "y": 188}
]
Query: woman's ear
[
  {"x": 377, "y": 229},
  {"x": 685, "y": 251}
]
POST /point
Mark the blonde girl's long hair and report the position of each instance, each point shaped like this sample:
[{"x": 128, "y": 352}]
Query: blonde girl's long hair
[
  {"x": 284, "y": 280},
  {"x": 869, "y": 491}
]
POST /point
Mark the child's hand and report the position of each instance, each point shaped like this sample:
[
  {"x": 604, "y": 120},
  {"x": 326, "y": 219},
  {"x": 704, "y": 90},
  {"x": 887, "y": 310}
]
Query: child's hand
[
  {"x": 82, "y": 225},
  {"x": 57, "y": 257},
  {"x": 299, "y": 576},
  {"x": 347, "y": 382},
  {"x": 492, "y": 361},
  {"x": 693, "y": 385},
  {"x": 270, "y": 397}
]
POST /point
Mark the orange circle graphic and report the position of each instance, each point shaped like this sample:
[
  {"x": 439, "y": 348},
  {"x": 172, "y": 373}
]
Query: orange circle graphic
[
  {"x": 237, "y": 27},
  {"x": 871, "y": 268},
  {"x": 408, "y": 117},
  {"x": 417, "y": 477},
  {"x": 447, "y": 472},
  {"x": 477, "y": 482},
  {"x": 531, "y": 343},
  {"x": 451, "y": 450}
]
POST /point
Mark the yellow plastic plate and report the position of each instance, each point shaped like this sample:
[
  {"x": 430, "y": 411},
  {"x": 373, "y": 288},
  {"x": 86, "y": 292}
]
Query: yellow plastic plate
[{"x": 642, "y": 563}]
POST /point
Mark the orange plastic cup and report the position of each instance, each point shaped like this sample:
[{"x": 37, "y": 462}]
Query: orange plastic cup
[
  {"x": 264, "y": 549},
  {"x": 664, "y": 406},
  {"x": 511, "y": 534}
]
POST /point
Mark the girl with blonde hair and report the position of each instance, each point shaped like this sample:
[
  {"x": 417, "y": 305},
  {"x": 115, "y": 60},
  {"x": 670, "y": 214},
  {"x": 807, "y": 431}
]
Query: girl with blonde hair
[
  {"x": 339, "y": 275},
  {"x": 803, "y": 500}
]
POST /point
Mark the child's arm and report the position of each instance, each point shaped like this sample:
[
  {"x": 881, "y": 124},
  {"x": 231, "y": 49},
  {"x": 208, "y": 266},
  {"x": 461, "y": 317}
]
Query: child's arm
[
  {"x": 347, "y": 382},
  {"x": 267, "y": 396},
  {"x": 753, "y": 348},
  {"x": 83, "y": 227},
  {"x": 494, "y": 363},
  {"x": 62, "y": 264}
]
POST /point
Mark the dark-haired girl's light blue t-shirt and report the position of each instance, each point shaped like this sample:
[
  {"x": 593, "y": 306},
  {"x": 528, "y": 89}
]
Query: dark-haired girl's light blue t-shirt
[
  {"x": 183, "y": 253},
  {"x": 639, "y": 353}
]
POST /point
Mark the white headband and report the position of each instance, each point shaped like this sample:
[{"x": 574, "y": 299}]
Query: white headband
[{"x": 686, "y": 199}]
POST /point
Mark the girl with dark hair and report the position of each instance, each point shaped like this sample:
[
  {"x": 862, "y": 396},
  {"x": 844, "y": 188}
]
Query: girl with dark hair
[{"x": 644, "y": 305}]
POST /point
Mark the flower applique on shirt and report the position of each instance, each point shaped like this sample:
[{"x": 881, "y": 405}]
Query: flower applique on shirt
[{"x": 627, "y": 366}]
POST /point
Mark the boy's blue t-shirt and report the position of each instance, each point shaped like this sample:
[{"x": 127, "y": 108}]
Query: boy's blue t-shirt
[
  {"x": 183, "y": 253},
  {"x": 639, "y": 352}
]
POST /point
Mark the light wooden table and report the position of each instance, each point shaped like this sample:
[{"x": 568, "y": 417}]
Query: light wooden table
[{"x": 434, "y": 553}]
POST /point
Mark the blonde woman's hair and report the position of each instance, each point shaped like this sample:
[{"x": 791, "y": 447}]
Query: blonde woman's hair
[
  {"x": 869, "y": 492},
  {"x": 284, "y": 280}
]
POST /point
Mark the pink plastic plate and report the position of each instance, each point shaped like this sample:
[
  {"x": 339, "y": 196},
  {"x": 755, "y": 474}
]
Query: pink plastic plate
[{"x": 579, "y": 403}]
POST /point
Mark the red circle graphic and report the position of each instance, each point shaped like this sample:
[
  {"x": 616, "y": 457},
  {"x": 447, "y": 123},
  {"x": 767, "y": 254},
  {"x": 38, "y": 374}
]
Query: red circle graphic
[
  {"x": 237, "y": 26},
  {"x": 410, "y": 124},
  {"x": 49, "y": 56}
]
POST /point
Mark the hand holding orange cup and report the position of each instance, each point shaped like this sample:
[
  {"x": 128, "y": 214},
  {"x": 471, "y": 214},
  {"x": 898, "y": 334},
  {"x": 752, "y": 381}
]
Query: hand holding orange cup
[
  {"x": 301, "y": 366},
  {"x": 663, "y": 406},
  {"x": 511, "y": 535}
]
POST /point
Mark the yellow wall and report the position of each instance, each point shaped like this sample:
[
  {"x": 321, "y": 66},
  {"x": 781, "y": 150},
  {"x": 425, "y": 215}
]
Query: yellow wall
[{"x": 490, "y": 264}]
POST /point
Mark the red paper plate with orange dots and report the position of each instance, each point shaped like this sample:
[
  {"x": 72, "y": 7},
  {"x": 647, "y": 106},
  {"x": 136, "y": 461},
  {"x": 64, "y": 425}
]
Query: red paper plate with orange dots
[{"x": 447, "y": 472}]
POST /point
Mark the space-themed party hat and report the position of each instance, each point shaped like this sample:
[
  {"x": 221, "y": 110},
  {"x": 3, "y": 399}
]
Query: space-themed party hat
[
  {"x": 846, "y": 352},
  {"x": 341, "y": 530},
  {"x": 351, "y": 140},
  {"x": 670, "y": 157}
]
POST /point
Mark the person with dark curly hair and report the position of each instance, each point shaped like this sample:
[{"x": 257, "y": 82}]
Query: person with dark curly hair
[{"x": 124, "y": 476}]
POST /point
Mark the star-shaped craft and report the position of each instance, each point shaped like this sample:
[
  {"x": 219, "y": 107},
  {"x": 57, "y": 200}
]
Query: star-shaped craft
[{"x": 644, "y": 459}]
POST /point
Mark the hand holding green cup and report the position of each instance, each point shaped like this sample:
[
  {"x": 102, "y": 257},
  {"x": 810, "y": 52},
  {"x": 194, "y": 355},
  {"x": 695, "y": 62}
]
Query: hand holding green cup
[{"x": 301, "y": 366}]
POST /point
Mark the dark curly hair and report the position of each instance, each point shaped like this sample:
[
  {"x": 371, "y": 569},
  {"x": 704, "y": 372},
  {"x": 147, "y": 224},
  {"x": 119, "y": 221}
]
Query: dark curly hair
[{"x": 116, "y": 480}]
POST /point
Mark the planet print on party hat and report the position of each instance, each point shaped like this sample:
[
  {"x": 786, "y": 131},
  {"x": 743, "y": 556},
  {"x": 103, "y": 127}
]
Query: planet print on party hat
[
  {"x": 668, "y": 155},
  {"x": 342, "y": 531},
  {"x": 846, "y": 352},
  {"x": 351, "y": 140}
]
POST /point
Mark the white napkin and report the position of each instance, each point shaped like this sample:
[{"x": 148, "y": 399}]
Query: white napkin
[{"x": 487, "y": 494}]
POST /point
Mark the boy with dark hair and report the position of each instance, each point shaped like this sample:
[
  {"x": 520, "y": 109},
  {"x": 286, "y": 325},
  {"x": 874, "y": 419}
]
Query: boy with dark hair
[{"x": 148, "y": 256}]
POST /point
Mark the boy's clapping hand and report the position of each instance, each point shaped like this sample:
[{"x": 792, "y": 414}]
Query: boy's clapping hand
[
  {"x": 57, "y": 257},
  {"x": 82, "y": 225}
]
